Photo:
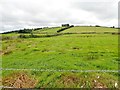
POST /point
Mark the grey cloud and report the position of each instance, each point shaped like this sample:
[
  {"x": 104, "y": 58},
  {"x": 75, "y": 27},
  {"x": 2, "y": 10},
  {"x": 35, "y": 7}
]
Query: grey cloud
[
  {"x": 103, "y": 10},
  {"x": 22, "y": 13}
]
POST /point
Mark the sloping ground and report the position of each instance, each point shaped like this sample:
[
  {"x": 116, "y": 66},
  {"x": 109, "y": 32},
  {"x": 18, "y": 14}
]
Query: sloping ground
[
  {"x": 90, "y": 29},
  {"x": 65, "y": 52},
  {"x": 47, "y": 30},
  {"x": 64, "y": 28},
  {"x": 70, "y": 51}
]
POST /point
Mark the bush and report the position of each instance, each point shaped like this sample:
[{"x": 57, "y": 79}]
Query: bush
[
  {"x": 25, "y": 31},
  {"x": 62, "y": 29},
  {"x": 65, "y": 25},
  {"x": 97, "y": 26}
]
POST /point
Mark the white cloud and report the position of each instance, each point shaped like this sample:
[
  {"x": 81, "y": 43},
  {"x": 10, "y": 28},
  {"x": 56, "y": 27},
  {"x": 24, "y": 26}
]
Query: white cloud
[{"x": 18, "y": 14}]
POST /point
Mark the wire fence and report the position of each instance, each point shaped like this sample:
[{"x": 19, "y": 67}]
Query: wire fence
[{"x": 50, "y": 70}]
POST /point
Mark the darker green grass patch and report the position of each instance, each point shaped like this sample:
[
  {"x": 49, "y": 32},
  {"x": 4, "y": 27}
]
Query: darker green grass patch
[{"x": 36, "y": 49}]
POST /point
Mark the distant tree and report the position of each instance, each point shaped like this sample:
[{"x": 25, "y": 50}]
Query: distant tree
[
  {"x": 72, "y": 26},
  {"x": 37, "y": 28},
  {"x": 113, "y": 26},
  {"x": 97, "y": 26},
  {"x": 25, "y": 31},
  {"x": 65, "y": 25}
]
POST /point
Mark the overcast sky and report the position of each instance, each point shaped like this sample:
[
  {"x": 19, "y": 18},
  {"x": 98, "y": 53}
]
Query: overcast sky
[{"x": 18, "y": 14}]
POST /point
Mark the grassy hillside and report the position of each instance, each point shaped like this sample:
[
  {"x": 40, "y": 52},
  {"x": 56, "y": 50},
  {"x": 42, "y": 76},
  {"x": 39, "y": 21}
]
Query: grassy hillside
[
  {"x": 90, "y": 29},
  {"x": 48, "y": 30},
  {"x": 68, "y": 50}
]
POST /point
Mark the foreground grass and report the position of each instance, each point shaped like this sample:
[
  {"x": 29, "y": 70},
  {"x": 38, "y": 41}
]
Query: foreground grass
[
  {"x": 65, "y": 52},
  {"x": 60, "y": 79}
]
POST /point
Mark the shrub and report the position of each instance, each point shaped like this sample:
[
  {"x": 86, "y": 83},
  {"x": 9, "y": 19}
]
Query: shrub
[
  {"x": 97, "y": 26},
  {"x": 62, "y": 29},
  {"x": 25, "y": 31}
]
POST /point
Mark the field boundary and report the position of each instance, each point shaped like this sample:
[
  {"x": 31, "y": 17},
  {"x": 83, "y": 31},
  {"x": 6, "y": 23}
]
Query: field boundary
[{"x": 49, "y": 70}]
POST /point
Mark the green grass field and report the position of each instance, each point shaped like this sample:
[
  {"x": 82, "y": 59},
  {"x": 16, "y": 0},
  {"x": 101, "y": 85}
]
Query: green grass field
[{"x": 70, "y": 50}]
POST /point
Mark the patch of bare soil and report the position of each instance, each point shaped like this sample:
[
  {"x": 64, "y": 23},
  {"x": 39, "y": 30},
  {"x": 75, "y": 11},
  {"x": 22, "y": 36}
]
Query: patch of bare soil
[{"x": 19, "y": 80}]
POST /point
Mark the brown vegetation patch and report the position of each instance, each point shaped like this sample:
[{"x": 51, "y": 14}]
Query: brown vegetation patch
[
  {"x": 98, "y": 84},
  {"x": 1, "y": 52},
  {"x": 7, "y": 52},
  {"x": 69, "y": 80},
  {"x": 19, "y": 80}
]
